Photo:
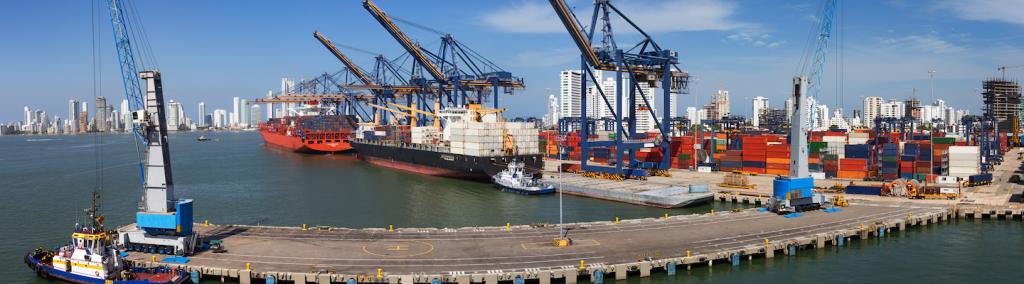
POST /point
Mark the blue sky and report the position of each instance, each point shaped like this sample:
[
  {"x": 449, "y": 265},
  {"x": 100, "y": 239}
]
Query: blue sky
[{"x": 215, "y": 50}]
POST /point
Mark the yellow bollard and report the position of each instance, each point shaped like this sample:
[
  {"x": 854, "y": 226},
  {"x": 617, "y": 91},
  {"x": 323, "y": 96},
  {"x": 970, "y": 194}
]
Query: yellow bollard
[
  {"x": 712, "y": 211},
  {"x": 666, "y": 216},
  {"x": 154, "y": 258},
  {"x": 765, "y": 241},
  {"x": 391, "y": 228},
  {"x": 304, "y": 227},
  {"x": 861, "y": 226},
  {"x": 248, "y": 266},
  {"x": 508, "y": 226},
  {"x": 380, "y": 273},
  {"x": 616, "y": 220},
  {"x": 687, "y": 253},
  {"x": 206, "y": 223},
  {"x": 581, "y": 264}
]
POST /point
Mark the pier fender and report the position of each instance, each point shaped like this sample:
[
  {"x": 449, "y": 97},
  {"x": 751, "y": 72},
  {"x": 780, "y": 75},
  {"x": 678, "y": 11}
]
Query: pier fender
[
  {"x": 670, "y": 267},
  {"x": 735, "y": 259},
  {"x": 350, "y": 281},
  {"x": 840, "y": 240},
  {"x": 194, "y": 276},
  {"x": 598, "y": 277},
  {"x": 792, "y": 250},
  {"x": 881, "y": 232},
  {"x": 271, "y": 279},
  {"x": 438, "y": 281},
  {"x": 518, "y": 280}
]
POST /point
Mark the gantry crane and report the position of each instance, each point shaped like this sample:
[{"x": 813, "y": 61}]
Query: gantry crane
[
  {"x": 474, "y": 74},
  {"x": 163, "y": 223},
  {"x": 645, "y": 62}
]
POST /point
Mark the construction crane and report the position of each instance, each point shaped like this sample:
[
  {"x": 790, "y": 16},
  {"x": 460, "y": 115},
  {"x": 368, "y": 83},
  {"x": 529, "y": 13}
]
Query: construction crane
[
  {"x": 796, "y": 192},
  {"x": 164, "y": 223},
  {"x": 645, "y": 62},
  {"x": 1002, "y": 70}
]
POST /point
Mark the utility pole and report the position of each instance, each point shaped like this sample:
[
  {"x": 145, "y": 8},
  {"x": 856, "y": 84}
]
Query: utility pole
[{"x": 931, "y": 135}]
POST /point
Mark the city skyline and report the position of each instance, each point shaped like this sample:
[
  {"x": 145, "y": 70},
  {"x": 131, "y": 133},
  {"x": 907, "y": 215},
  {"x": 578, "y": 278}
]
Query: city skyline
[{"x": 738, "y": 48}]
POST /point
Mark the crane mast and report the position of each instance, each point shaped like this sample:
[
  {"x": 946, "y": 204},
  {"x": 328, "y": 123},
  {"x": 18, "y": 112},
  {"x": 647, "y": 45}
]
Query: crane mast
[
  {"x": 404, "y": 40},
  {"x": 163, "y": 224}
]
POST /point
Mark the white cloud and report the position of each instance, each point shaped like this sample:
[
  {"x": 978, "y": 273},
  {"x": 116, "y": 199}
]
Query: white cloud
[
  {"x": 1009, "y": 11},
  {"x": 652, "y": 16},
  {"x": 754, "y": 39},
  {"x": 930, "y": 43}
]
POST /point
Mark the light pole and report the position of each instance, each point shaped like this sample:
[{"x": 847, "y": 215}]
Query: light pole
[{"x": 931, "y": 136}]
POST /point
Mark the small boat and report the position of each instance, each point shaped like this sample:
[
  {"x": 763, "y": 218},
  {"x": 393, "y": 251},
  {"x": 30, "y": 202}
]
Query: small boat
[
  {"x": 516, "y": 179},
  {"x": 90, "y": 257},
  {"x": 203, "y": 138}
]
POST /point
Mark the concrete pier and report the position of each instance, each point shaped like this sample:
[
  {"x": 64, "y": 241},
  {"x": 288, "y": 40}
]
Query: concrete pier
[{"x": 493, "y": 254}]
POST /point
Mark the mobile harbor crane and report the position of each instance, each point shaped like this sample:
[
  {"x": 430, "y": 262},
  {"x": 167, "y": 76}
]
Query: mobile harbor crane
[
  {"x": 796, "y": 192},
  {"x": 164, "y": 223}
]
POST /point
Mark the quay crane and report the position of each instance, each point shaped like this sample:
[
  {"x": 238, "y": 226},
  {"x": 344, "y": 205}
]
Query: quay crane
[
  {"x": 645, "y": 62},
  {"x": 796, "y": 192},
  {"x": 164, "y": 223},
  {"x": 474, "y": 74}
]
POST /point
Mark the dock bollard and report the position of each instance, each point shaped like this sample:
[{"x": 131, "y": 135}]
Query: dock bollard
[
  {"x": 582, "y": 266},
  {"x": 248, "y": 266},
  {"x": 666, "y": 216},
  {"x": 765, "y": 241},
  {"x": 206, "y": 223},
  {"x": 616, "y": 220},
  {"x": 380, "y": 273},
  {"x": 712, "y": 212},
  {"x": 304, "y": 227},
  {"x": 508, "y": 226},
  {"x": 154, "y": 258},
  {"x": 391, "y": 228},
  {"x": 688, "y": 253}
]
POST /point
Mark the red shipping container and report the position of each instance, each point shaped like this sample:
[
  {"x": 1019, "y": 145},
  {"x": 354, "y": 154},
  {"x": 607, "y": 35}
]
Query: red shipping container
[{"x": 754, "y": 170}]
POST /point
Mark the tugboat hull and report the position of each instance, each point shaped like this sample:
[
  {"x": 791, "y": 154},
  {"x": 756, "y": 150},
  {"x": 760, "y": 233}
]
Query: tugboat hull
[{"x": 143, "y": 276}]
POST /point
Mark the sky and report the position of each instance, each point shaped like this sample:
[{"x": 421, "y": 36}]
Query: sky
[{"x": 214, "y": 50}]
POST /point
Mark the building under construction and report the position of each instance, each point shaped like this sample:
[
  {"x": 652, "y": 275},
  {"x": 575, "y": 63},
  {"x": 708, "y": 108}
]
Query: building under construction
[{"x": 1002, "y": 100}]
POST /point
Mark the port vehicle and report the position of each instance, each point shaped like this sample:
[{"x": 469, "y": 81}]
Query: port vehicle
[
  {"x": 517, "y": 179},
  {"x": 979, "y": 179},
  {"x": 203, "y": 138}
]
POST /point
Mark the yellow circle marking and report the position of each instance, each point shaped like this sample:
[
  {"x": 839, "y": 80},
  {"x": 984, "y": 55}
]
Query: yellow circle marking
[{"x": 386, "y": 248}]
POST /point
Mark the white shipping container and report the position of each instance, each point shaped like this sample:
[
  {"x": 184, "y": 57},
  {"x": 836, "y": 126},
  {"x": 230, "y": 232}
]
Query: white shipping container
[
  {"x": 949, "y": 190},
  {"x": 964, "y": 150}
]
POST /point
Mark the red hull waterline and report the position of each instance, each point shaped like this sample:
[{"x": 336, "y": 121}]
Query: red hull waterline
[
  {"x": 313, "y": 146},
  {"x": 418, "y": 169}
]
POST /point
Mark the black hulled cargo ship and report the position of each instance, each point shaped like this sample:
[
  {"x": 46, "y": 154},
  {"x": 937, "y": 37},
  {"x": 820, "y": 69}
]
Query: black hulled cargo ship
[{"x": 437, "y": 160}]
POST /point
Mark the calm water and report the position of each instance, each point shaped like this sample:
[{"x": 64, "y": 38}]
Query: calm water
[{"x": 236, "y": 179}]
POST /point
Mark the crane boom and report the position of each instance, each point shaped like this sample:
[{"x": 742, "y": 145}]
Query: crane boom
[
  {"x": 404, "y": 40},
  {"x": 578, "y": 36},
  {"x": 344, "y": 59},
  {"x": 1002, "y": 70}
]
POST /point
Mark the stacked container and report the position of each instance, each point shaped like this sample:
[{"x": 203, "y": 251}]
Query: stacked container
[
  {"x": 964, "y": 161},
  {"x": 889, "y": 167},
  {"x": 855, "y": 164},
  {"x": 682, "y": 152},
  {"x": 939, "y": 155},
  {"x": 755, "y": 154},
  {"x": 777, "y": 161},
  {"x": 731, "y": 160}
]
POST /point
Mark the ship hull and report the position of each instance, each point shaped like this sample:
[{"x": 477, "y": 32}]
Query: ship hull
[
  {"x": 441, "y": 164},
  {"x": 50, "y": 272},
  {"x": 296, "y": 144}
]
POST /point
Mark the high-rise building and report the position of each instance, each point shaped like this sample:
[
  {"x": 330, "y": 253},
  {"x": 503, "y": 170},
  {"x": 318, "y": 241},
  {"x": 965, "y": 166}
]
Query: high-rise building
[
  {"x": 243, "y": 117},
  {"x": 236, "y": 109},
  {"x": 691, "y": 114},
  {"x": 126, "y": 115},
  {"x": 872, "y": 110},
  {"x": 202, "y": 114},
  {"x": 101, "y": 114},
  {"x": 270, "y": 106},
  {"x": 1002, "y": 100},
  {"x": 892, "y": 109},
  {"x": 73, "y": 109},
  {"x": 83, "y": 120},
  {"x": 257, "y": 115},
  {"x": 759, "y": 106},
  {"x": 220, "y": 118},
  {"x": 569, "y": 93},
  {"x": 551, "y": 119},
  {"x": 789, "y": 109},
  {"x": 173, "y": 115}
]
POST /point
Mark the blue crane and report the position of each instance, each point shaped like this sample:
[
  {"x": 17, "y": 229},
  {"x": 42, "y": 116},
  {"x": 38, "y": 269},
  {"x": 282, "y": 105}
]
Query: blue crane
[
  {"x": 457, "y": 73},
  {"x": 164, "y": 223},
  {"x": 645, "y": 62}
]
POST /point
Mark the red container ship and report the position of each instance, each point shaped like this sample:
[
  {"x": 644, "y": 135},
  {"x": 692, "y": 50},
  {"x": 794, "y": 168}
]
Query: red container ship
[{"x": 310, "y": 133}]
